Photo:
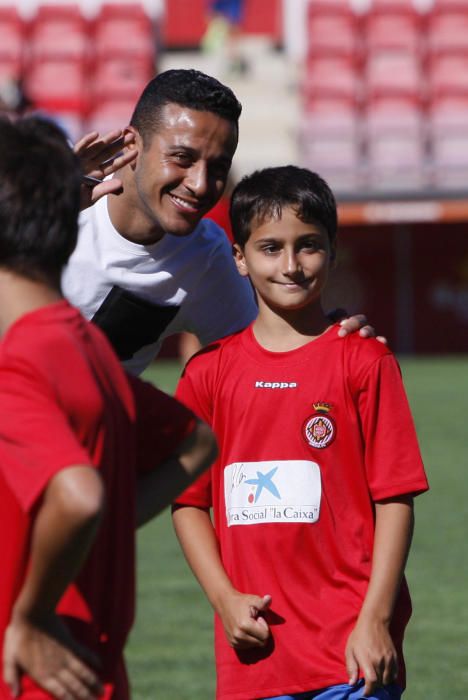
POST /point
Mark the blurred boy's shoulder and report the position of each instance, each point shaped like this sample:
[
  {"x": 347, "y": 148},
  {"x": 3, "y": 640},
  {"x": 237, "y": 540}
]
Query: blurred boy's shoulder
[{"x": 213, "y": 354}]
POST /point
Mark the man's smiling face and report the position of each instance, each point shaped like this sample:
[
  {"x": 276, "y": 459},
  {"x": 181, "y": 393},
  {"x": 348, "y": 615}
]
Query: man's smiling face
[{"x": 181, "y": 172}]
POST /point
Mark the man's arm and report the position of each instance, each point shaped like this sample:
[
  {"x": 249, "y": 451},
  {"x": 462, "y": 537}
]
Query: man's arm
[
  {"x": 370, "y": 646},
  {"x": 36, "y": 641},
  {"x": 240, "y": 613},
  {"x": 158, "y": 488}
]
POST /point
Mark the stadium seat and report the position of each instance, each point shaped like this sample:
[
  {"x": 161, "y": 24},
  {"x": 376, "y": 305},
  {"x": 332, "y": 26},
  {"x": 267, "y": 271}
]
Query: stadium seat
[
  {"x": 393, "y": 73},
  {"x": 10, "y": 69},
  {"x": 449, "y": 6},
  {"x": 329, "y": 116},
  {"x": 394, "y": 6},
  {"x": 110, "y": 115},
  {"x": 120, "y": 37},
  {"x": 59, "y": 32},
  {"x": 447, "y": 32},
  {"x": 337, "y": 7},
  {"x": 396, "y": 162},
  {"x": 448, "y": 75},
  {"x": 393, "y": 115},
  {"x": 448, "y": 113},
  {"x": 331, "y": 77},
  {"x": 12, "y": 34},
  {"x": 450, "y": 160},
  {"x": 332, "y": 35},
  {"x": 58, "y": 85},
  {"x": 121, "y": 77},
  {"x": 392, "y": 31}
]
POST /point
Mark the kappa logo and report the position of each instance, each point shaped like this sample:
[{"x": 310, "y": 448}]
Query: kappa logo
[
  {"x": 275, "y": 385},
  {"x": 319, "y": 430}
]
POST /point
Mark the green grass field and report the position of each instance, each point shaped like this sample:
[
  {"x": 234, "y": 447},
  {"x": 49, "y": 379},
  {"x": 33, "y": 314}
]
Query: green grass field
[{"x": 170, "y": 652}]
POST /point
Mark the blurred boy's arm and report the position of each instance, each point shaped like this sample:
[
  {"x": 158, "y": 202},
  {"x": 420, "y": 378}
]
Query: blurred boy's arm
[
  {"x": 36, "y": 641},
  {"x": 159, "y": 487},
  {"x": 240, "y": 613},
  {"x": 370, "y": 646}
]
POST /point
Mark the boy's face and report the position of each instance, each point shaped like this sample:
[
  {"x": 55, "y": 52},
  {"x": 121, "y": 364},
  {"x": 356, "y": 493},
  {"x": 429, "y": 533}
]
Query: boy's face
[{"x": 287, "y": 261}]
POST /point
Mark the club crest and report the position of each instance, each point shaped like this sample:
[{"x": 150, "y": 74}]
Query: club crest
[{"x": 319, "y": 430}]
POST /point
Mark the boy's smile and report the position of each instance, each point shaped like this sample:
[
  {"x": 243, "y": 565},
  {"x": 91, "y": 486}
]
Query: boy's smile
[{"x": 287, "y": 261}]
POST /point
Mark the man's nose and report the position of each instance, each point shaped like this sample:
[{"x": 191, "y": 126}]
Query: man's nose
[{"x": 196, "y": 179}]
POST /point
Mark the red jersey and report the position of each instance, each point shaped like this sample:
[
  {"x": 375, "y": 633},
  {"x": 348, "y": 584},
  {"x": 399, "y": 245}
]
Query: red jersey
[
  {"x": 65, "y": 400},
  {"x": 308, "y": 441}
]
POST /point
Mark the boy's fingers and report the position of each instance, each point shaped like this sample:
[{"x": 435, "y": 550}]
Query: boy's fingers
[
  {"x": 352, "y": 668},
  {"x": 76, "y": 687}
]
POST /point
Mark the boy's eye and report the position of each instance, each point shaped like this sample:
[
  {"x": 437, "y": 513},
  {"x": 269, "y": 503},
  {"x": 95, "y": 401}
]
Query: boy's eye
[
  {"x": 312, "y": 244},
  {"x": 269, "y": 248}
]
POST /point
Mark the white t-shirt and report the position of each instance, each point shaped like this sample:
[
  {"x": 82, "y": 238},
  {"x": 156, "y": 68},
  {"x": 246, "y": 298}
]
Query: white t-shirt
[{"x": 140, "y": 295}]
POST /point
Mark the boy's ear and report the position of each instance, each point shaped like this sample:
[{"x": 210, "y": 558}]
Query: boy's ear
[{"x": 239, "y": 259}]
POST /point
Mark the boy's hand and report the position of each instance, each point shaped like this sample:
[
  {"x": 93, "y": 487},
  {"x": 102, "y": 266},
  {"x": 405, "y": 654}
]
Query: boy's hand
[
  {"x": 50, "y": 656},
  {"x": 100, "y": 157},
  {"x": 370, "y": 648},
  {"x": 358, "y": 322},
  {"x": 243, "y": 623}
]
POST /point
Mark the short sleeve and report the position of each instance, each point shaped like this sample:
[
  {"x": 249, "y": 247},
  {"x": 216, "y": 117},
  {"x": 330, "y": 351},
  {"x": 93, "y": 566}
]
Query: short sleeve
[
  {"x": 223, "y": 302},
  {"x": 36, "y": 439},
  {"x": 193, "y": 391},
  {"x": 392, "y": 458},
  {"x": 162, "y": 423}
]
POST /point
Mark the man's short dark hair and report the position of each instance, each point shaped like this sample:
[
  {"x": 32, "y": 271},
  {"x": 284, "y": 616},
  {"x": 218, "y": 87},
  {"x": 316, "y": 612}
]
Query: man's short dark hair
[
  {"x": 262, "y": 195},
  {"x": 187, "y": 88},
  {"x": 40, "y": 179}
]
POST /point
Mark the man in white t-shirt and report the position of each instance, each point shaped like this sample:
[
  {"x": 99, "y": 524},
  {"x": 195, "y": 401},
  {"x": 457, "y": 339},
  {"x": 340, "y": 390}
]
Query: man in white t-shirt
[{"x": 147, "y": 264}]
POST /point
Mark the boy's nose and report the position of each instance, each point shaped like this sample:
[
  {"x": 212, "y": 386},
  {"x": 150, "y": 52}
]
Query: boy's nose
[{"x": 292, "y": 264}]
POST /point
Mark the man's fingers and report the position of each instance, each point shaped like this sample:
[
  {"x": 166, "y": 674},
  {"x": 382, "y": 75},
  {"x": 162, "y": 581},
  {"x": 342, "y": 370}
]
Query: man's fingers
[
  {"x": 76, "y": 687},
  {"x": 118, "y": 162}
]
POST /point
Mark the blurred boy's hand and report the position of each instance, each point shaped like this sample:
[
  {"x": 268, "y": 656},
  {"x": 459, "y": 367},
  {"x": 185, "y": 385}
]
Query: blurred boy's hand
[
  {"x": 241, "y": 615},
  {"x": 50, "y": 656}
]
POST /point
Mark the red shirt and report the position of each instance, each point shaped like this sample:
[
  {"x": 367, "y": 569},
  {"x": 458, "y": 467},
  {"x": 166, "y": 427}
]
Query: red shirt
[
  {"x": 309, "y": 440},
  {"x": 65, "y": 400}
]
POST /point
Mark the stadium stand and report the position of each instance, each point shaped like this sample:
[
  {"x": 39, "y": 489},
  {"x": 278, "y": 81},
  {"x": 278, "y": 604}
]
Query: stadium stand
[
  {"x": 84, "y": 71},
  {"x": 401, "y": 73}
]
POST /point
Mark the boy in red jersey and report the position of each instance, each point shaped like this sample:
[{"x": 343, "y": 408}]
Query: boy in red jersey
[
  {"x": 86, "y": 454},
  {"x": 312, "y": 492}
]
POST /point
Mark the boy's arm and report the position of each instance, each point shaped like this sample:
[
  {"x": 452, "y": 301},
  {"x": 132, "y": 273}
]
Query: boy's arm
[
  {"x": 158, "y": 488},
  {"x": 36, "y": 641},
  {"x": 241, "y": 614},
  {"x": 370, "y": 646}
]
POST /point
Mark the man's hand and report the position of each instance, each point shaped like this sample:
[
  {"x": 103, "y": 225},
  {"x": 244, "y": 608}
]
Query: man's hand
[
  {"x": 358, "y": 322},
  {"x": 48, "y": 654},
  {"x": 370, "y": 648},
  {"x": 241, "y": 615},
  {"x": 100, "y": 157}
]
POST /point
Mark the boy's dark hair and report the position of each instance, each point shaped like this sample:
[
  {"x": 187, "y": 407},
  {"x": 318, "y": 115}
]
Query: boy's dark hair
[
  {"x": 187, "y": 88},
  {"x": 40, "y": 179},
  {"x": 263, "y": 194}
]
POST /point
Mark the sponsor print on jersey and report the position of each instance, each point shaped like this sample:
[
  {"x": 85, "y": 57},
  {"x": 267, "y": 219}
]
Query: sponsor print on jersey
[
  {"x": 282, "y": 491},
  {"x": 319, "y": 429}
]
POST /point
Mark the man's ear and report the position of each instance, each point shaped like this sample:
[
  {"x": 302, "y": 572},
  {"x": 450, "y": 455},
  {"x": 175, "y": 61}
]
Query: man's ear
[
  {"x": 239, "y": 259},
  {"x": 133, "y": 142}
]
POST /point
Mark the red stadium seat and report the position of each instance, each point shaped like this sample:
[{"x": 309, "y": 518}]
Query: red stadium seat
[
  {"x": 331, "y": 77},
  {"x": 394, "y": 6},
  {"x": 59, "y": 35},
  {"x": 389, "y": 31},
  {"x": 393, "y": 73},
  {"x": 448, "y": 32},
  {"x": 121, "y": 77},
  {"x": 12, "y": 34},
  {"x": 334, "y": 35},
  {"x": 448, "y": 114},
  {"x": 394, "y": 115},
  {"x": 110, "y": 115},
  {"x": 337, "y": 7},
  {"x": 58, "y": 85},
  {"x": 448, "y": 75},
  {"x": 450, "y": 6},
  {"x": 396, "y": 162},
  {"x": 10, "y": 69},
  {"x": 129, "y": 10},
  {"x": 120, "y": 36},
  {"x": 325, "y": 116}
]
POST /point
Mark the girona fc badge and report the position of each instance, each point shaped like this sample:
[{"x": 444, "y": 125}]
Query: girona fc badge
[{"x": 319, "y": 429}]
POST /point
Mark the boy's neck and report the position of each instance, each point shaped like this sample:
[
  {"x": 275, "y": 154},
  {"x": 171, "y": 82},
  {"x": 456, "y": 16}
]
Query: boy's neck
[
  {"x": 20, "y": 295},
  {"x": 284, "y": 330}
]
